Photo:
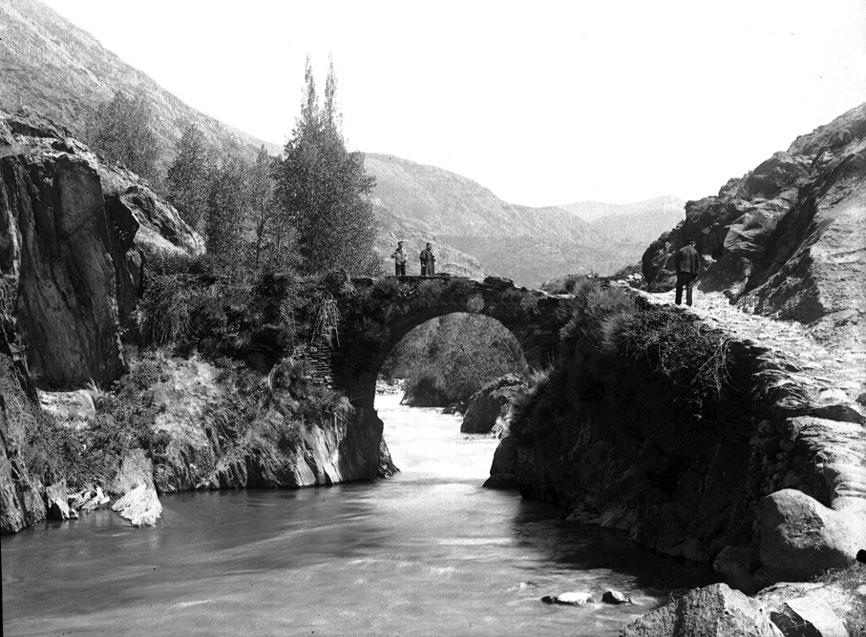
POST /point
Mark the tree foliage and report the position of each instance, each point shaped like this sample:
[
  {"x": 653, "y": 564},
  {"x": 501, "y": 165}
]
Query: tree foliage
[
  {"x": 228, "y": 204},
  {"x": 322, "y": 189},
  {"x": 446, "y": 360},
  {"x": 273, "y": 237},
  {"x": 188, "y": 178},
  {"x": 122, "y": 131}
]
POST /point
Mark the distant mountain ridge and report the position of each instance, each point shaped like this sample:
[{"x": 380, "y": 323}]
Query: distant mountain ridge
[
  {"x": 639, "y": 222},
  {"x": 528, "y": 245}
]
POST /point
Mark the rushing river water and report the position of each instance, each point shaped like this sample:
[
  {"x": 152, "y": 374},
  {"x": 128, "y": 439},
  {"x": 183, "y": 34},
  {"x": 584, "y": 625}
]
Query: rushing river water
[{"x": 429, "y": 552}]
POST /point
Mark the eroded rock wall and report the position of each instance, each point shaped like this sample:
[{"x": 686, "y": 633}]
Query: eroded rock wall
[{"x": 74, "y": 231}]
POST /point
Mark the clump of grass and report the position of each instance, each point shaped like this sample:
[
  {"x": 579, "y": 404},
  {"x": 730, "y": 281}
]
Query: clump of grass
[{"x": 693, "y": 362}]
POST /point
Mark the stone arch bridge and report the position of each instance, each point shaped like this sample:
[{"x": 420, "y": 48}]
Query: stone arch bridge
[
  {"x": 372, "y": 315},
  {"x": 381, "y": 312}
]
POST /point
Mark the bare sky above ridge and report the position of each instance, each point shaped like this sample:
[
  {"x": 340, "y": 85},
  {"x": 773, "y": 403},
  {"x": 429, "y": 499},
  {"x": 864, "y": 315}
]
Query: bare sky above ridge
[{"x": 545, "y": 103}]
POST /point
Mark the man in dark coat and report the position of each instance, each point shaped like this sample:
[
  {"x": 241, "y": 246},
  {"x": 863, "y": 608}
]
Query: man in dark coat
[
  {"x": 427, "y": 261},
  {"x": 688, "y": 263}
]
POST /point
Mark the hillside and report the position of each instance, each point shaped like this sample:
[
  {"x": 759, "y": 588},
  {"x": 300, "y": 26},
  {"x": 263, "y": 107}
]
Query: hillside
[
  {"x": 462, "y": 217},
  {"x": 50, "y": 66}
]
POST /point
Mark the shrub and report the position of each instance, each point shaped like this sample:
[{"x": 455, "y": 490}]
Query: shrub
[{"x": 691, "y": 361}]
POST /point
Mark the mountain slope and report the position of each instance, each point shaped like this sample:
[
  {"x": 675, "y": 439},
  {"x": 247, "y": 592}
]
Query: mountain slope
[
  {"x": 54, "y": 68},
  {"x": 526, "y": 244}
]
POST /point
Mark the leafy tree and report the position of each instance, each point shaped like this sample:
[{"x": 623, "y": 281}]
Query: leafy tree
[
  {"x": 228, "y": 208},
  {"x": 122, "y": 131},
  {"x": 188, "y": 177},
  {"x": 322, "y": 189},
  {"x": 272, "y": 234}
]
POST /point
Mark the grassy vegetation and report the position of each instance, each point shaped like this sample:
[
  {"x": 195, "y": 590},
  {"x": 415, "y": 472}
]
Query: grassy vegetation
[
  {"x": 54, "y": 451},
  {"x": 196, "y": 306},
  {"x": 609, "y": 330}
]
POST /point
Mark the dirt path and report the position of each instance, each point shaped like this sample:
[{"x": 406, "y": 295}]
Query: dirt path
[{"x": 828, "y": 372}]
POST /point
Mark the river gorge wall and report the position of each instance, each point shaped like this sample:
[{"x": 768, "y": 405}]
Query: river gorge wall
[{"x": 697, "y": 445}]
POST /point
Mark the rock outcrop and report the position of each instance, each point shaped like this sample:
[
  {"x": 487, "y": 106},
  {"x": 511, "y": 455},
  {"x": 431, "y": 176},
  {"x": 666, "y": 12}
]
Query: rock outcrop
[
  {"x": 788, "y": 239},
  {"x": 488, "y": 407},
  {"x": 74, "y": 234},
  {"x": 73, "y": 237},
  {"x": 139, "y": 503},
  {"x": 711, "y": 611}
]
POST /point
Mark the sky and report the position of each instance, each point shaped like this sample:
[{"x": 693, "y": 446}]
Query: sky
[{"x": 545, "y": 102}]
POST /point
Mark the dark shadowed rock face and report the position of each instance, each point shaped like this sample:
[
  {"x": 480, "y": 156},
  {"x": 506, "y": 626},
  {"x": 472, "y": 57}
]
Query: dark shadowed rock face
[
  {"x": 73, "y": 231},
  {"x": 490, "y": 404},
  {"x": 789, "y": 238}
]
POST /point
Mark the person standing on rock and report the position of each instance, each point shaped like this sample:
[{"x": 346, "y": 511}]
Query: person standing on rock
[
  {"x": 688, "y": 263},
  {"x": 427, "y": 261},
  {"x": 399, "y": 257}
]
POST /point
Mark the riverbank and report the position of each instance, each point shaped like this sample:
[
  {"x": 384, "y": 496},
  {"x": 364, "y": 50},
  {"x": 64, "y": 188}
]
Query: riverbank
[{"x": 427, "y": 552}]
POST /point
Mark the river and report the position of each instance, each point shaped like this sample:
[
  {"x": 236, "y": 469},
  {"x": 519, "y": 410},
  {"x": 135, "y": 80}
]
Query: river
[{"x": 428, "y": 552}]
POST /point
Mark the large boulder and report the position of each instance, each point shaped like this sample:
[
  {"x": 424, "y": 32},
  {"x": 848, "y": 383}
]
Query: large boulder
[
  {"x": 711, "y": 611},
  {"x": 800, "y": 537},
  {"x": 57, "y": 502}
]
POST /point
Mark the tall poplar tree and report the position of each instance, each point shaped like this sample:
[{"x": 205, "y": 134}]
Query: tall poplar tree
[
  {"x": 228, "y": 208},
  {"x": 323, "y": 189},
  {"x": 188, "y": 177}
]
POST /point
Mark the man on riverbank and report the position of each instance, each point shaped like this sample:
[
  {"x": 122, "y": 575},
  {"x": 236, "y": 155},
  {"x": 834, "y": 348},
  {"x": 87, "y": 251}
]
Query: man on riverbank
[
  {"x": 427, "y": 261},
  {"x": 688, "y": 264}
]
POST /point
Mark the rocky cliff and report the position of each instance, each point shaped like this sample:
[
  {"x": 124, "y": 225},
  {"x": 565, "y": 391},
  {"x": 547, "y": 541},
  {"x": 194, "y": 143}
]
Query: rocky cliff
[
  {"x": 788, "y": 239},
  {"x": 74, "y": 233}
]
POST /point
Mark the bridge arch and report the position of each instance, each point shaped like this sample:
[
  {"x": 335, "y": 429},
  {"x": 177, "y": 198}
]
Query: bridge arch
[{"x": 382, "y": 312}]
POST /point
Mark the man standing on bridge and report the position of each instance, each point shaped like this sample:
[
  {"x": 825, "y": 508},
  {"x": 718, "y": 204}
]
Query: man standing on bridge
[
  {"x": 399, "y": 257},
  {"x": 427, "y": 261},
  {"x": 688, "y": 263}
]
